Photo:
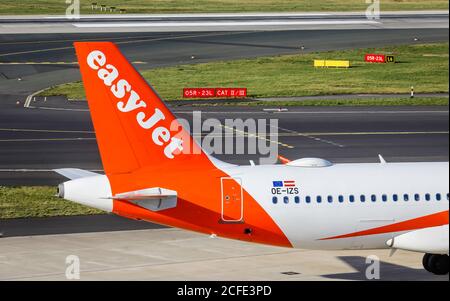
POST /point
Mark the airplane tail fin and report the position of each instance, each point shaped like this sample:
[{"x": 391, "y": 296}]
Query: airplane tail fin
[{"x": 134, "y": 128}]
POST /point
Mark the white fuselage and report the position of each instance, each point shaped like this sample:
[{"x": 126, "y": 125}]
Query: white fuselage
[{"x": 306, "y": 224}]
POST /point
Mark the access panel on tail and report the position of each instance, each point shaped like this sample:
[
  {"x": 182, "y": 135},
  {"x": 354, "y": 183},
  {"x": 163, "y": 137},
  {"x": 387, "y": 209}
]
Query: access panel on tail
[{"x": 133, "y": 126}]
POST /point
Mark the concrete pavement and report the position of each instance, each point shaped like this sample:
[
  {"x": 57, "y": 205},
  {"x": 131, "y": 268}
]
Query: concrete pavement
[{"x": 171, "y": 254}]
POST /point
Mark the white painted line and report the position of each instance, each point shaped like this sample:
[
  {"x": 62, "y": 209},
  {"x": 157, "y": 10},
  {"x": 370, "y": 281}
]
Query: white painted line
[
  {"x": 234, "y": 15},
  {"x": 28, "y": 100},
  {"x": 46, "y": 139},
  {"x": 378, "y": 133},
  {"x": 58, "y": 109},
  {"x": 368, "y": 112},
  {"x": 44, "y": 131},
  {"x": 37, "y": 170},
  {"x": 310, "y": 136},
  {"x": 200, "y": 15},
  {"x": 263, "y": 113},
  {"x": 30, "y": 97},
  {"x": 127, "y": 42},
  {"x": 55, "y": 63},
  {"x": 275, "y": 110},
  {"x": 36, "y": 51},
  {"x": 315, "y": 136},
  {"x": 245, "y": 134},
  {"x": 223, "y": 23},
  {"x": 317, "y": 112},
  {"x": 39, "y": 63}
]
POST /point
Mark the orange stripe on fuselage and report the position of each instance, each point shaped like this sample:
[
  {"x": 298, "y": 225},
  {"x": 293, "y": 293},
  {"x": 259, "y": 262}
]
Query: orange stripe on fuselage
[{"x": 433, "y": 220}]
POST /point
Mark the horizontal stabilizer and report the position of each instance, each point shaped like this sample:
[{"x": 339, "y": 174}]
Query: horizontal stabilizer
[
  {"x": 75, "y": 173},
  {"x": 154, "y": 199}
]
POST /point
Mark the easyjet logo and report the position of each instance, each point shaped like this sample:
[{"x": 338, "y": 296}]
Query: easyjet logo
[{"x": 129, "y": 101}]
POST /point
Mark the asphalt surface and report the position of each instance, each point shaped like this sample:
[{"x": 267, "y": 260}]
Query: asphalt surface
[{"x": 70, "y": 224}]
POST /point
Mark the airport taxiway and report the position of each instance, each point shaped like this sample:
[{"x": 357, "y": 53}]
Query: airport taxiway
[{"x": 171, "y": 254}]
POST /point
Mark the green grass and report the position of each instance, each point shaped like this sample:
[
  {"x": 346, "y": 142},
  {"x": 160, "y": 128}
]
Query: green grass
[
  {"x": 198, "y": 6},
  {"x": 423, "y": 66},
  {"x": 418, "y": 101},
  {"x": 21, "y": 202}
]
